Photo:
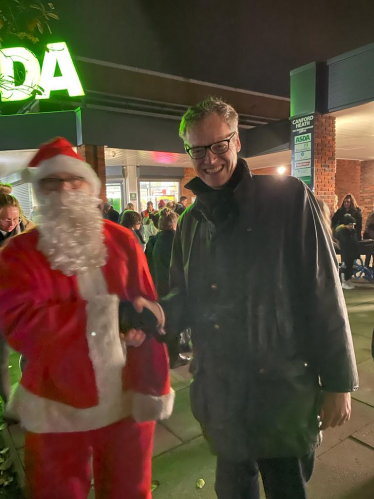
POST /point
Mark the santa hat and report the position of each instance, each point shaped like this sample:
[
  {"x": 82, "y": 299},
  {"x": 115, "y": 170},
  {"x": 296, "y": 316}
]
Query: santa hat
[{"x": 58, "y": 156}]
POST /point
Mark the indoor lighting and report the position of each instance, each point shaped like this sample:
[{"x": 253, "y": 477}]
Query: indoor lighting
[{"x": 281, "y": 170}]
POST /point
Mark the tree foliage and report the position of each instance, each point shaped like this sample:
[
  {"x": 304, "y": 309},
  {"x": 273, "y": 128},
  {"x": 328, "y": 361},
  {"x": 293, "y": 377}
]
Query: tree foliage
[{"x": 27, "y": 20}]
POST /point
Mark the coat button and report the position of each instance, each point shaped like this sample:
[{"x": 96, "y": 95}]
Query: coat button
[
  {"x": 216, "y": 326},
  {"x": 261, "y": 371},
  {"x": 214, "y": 286}
]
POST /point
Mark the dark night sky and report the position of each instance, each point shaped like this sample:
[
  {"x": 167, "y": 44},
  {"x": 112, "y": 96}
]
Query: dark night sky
[{"x": 241, "y": 43}]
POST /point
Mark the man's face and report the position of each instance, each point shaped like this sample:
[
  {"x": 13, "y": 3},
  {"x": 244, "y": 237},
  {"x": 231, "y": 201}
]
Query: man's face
[
  {"x": 149, "y": 206},
  {"x": 64, "y": 182},
  {"x": 214, "y": 170},
  {"x": 9, "y": 218},
  {"x": 351, "y": 226},
  {"x": 347, "y": 203},
  {"x": 184, "y": 202}
]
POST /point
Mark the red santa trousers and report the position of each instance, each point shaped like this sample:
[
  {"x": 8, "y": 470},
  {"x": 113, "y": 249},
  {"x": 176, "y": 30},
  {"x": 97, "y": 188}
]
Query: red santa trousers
[{"x": 58, "y": 465}]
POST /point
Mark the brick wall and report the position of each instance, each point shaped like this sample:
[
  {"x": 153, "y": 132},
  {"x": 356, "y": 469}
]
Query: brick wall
[
  {"x": 348, "y": 179},
  {"x": 189, "y": 174},
  {"x": 324, "y": 159},
  {"x": 367, "y": 188},
  {"x": 94, "y": 156}
]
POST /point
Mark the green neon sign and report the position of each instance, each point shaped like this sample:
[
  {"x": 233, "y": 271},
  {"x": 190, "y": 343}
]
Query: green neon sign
[{"x": 42, "y": 78}]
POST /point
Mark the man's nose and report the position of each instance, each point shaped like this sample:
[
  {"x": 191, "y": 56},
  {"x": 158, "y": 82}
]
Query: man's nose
[{"x": 210, "y": 157}]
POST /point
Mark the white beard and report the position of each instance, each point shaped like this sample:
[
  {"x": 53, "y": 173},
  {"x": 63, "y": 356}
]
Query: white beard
[{"x": 71, "y": 232}]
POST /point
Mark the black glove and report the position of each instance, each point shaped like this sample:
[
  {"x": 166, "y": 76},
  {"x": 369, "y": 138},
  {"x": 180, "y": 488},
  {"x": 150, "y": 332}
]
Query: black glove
[{"x": 129, "y": 319}]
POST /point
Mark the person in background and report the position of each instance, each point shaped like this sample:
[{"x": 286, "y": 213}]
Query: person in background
[
  {"x": 182, "y": 205},
  {"x": 148, "y": 211},
  {"x": 130, "y": 206},
  {"x": 87, "y": 400},
  {"x": 133, "y": 221},
  {"x": 11, "y": 216},
  {"x": 171, "y": 205},
  {"x": 273, "y": 358},
  {"x": 158, "y": 253},
  {"x": 10, "y": 225},
  {"x": 149, "y": 228},
  {"x": 369, "y": 234},
  {"x": 349, "y": 248},
  {"x": 8, "y": 189},
  {"x": 109, "y": 213},
  {"x": 348, "y": 206},
  {"x": 156, "y": 215},
  {"x": 5, "y": 188}
]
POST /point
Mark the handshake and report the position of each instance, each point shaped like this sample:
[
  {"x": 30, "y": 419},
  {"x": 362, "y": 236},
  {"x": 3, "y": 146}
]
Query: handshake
[{"x": 140, "y": 319}]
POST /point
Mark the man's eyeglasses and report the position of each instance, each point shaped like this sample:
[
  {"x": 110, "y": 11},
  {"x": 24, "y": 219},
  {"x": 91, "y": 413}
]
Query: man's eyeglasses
[
  {"x": 55, "y": 184},
  {"x": 217, "y": 148}
]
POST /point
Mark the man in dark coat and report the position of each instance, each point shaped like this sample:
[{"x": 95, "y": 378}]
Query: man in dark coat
[
  {"x": 109, "y": 213},
  {"x": 254, "y": 275},
  {"x": 182, "y": 205}
]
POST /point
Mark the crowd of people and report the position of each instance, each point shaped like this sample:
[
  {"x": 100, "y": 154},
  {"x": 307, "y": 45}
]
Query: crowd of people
[{"x": 273, "y": 361}]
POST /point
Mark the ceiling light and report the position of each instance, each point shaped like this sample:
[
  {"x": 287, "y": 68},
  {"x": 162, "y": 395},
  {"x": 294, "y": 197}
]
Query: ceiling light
[{"x": 281, "y": 170}]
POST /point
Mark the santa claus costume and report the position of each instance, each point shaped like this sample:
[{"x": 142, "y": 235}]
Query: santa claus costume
[{"x": 84, "y": 399}]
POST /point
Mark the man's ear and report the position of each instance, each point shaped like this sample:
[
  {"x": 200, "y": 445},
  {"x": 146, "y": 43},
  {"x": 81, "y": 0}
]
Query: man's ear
[{"x": 238, "y": 143}]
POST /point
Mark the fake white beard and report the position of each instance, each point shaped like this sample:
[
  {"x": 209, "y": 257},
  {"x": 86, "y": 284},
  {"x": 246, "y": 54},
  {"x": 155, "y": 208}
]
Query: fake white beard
[{"x": 71, "y": 232}]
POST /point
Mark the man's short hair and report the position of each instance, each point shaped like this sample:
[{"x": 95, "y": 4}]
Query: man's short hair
[
  {"x": 183, "y": 198},
  {"x": 200, "y": 111}
]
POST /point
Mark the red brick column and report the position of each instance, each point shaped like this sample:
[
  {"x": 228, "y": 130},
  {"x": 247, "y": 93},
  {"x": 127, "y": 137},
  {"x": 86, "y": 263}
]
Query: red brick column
[
  {"x": 189, "y": 174},
  {"x": 324, "y": 158},
  {"x": 367, "y": 189},
  {"x": 348, "y": 179},
  {"x": 94, "y": 155}
]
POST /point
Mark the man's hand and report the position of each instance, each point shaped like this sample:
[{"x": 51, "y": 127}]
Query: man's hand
[
  {"x": 139, "y": 303},
  {"x": 133, "y": 338},
  {"x": 336, "y": 409}
]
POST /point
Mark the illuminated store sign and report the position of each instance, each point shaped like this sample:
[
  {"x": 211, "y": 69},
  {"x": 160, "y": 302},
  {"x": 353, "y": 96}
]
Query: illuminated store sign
[{"x": 41, "y": 78}]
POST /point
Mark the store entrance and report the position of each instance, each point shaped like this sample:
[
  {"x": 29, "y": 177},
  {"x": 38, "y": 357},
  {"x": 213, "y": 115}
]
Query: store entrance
[{"x": 152, "y": 190}]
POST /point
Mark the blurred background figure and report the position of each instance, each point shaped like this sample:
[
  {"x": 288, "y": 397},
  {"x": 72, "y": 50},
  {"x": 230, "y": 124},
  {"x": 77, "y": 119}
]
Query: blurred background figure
[
  {"x": 133, "y": 221},
  {"x": 11, "y": 224},
  {"x": 348, "y": 243},
  {"x": 158, "y": 253},
  {"x": 5, "y": 188},
  {"x": 349, "y": 206},
  {"x": 130, "y": 206},
  {"x": 369, "y": 234},
  {"x": 109, "y": 213},
  {"x": 149, "y": 228},
  {"x": 171, "y": 205},
  {"x": 182, "y": 205},
  {"x": 149, "y": 210}
]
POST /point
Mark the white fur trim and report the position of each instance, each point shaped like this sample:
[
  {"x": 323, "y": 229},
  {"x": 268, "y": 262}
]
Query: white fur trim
[
  {"x": 40, "y": 415},
  {"x": 152, "y": 408},
  {"x": 64, "y": 164}
]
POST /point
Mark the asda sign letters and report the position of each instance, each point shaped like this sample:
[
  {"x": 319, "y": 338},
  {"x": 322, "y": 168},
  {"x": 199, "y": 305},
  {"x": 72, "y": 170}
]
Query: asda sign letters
[{"x": 38, "y": 76}]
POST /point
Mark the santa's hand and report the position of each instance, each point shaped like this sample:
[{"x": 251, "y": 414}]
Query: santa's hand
[
  {"x": 140, "y": 303},
  {"x": 133, "y": 338}
]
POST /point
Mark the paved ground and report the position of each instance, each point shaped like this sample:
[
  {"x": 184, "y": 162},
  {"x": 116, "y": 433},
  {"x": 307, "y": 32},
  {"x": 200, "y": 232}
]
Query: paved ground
[{"x": 345, "y": 461}]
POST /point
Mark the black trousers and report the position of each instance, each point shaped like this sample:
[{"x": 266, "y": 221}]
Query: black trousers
[{"x": 283, "y": 478}]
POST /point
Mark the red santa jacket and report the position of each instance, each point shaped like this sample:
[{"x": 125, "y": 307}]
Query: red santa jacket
[{"x": 44, "y": 317}]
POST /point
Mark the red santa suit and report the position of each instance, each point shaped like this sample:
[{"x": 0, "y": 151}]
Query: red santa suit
[{"x": 81, "y": 387}]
